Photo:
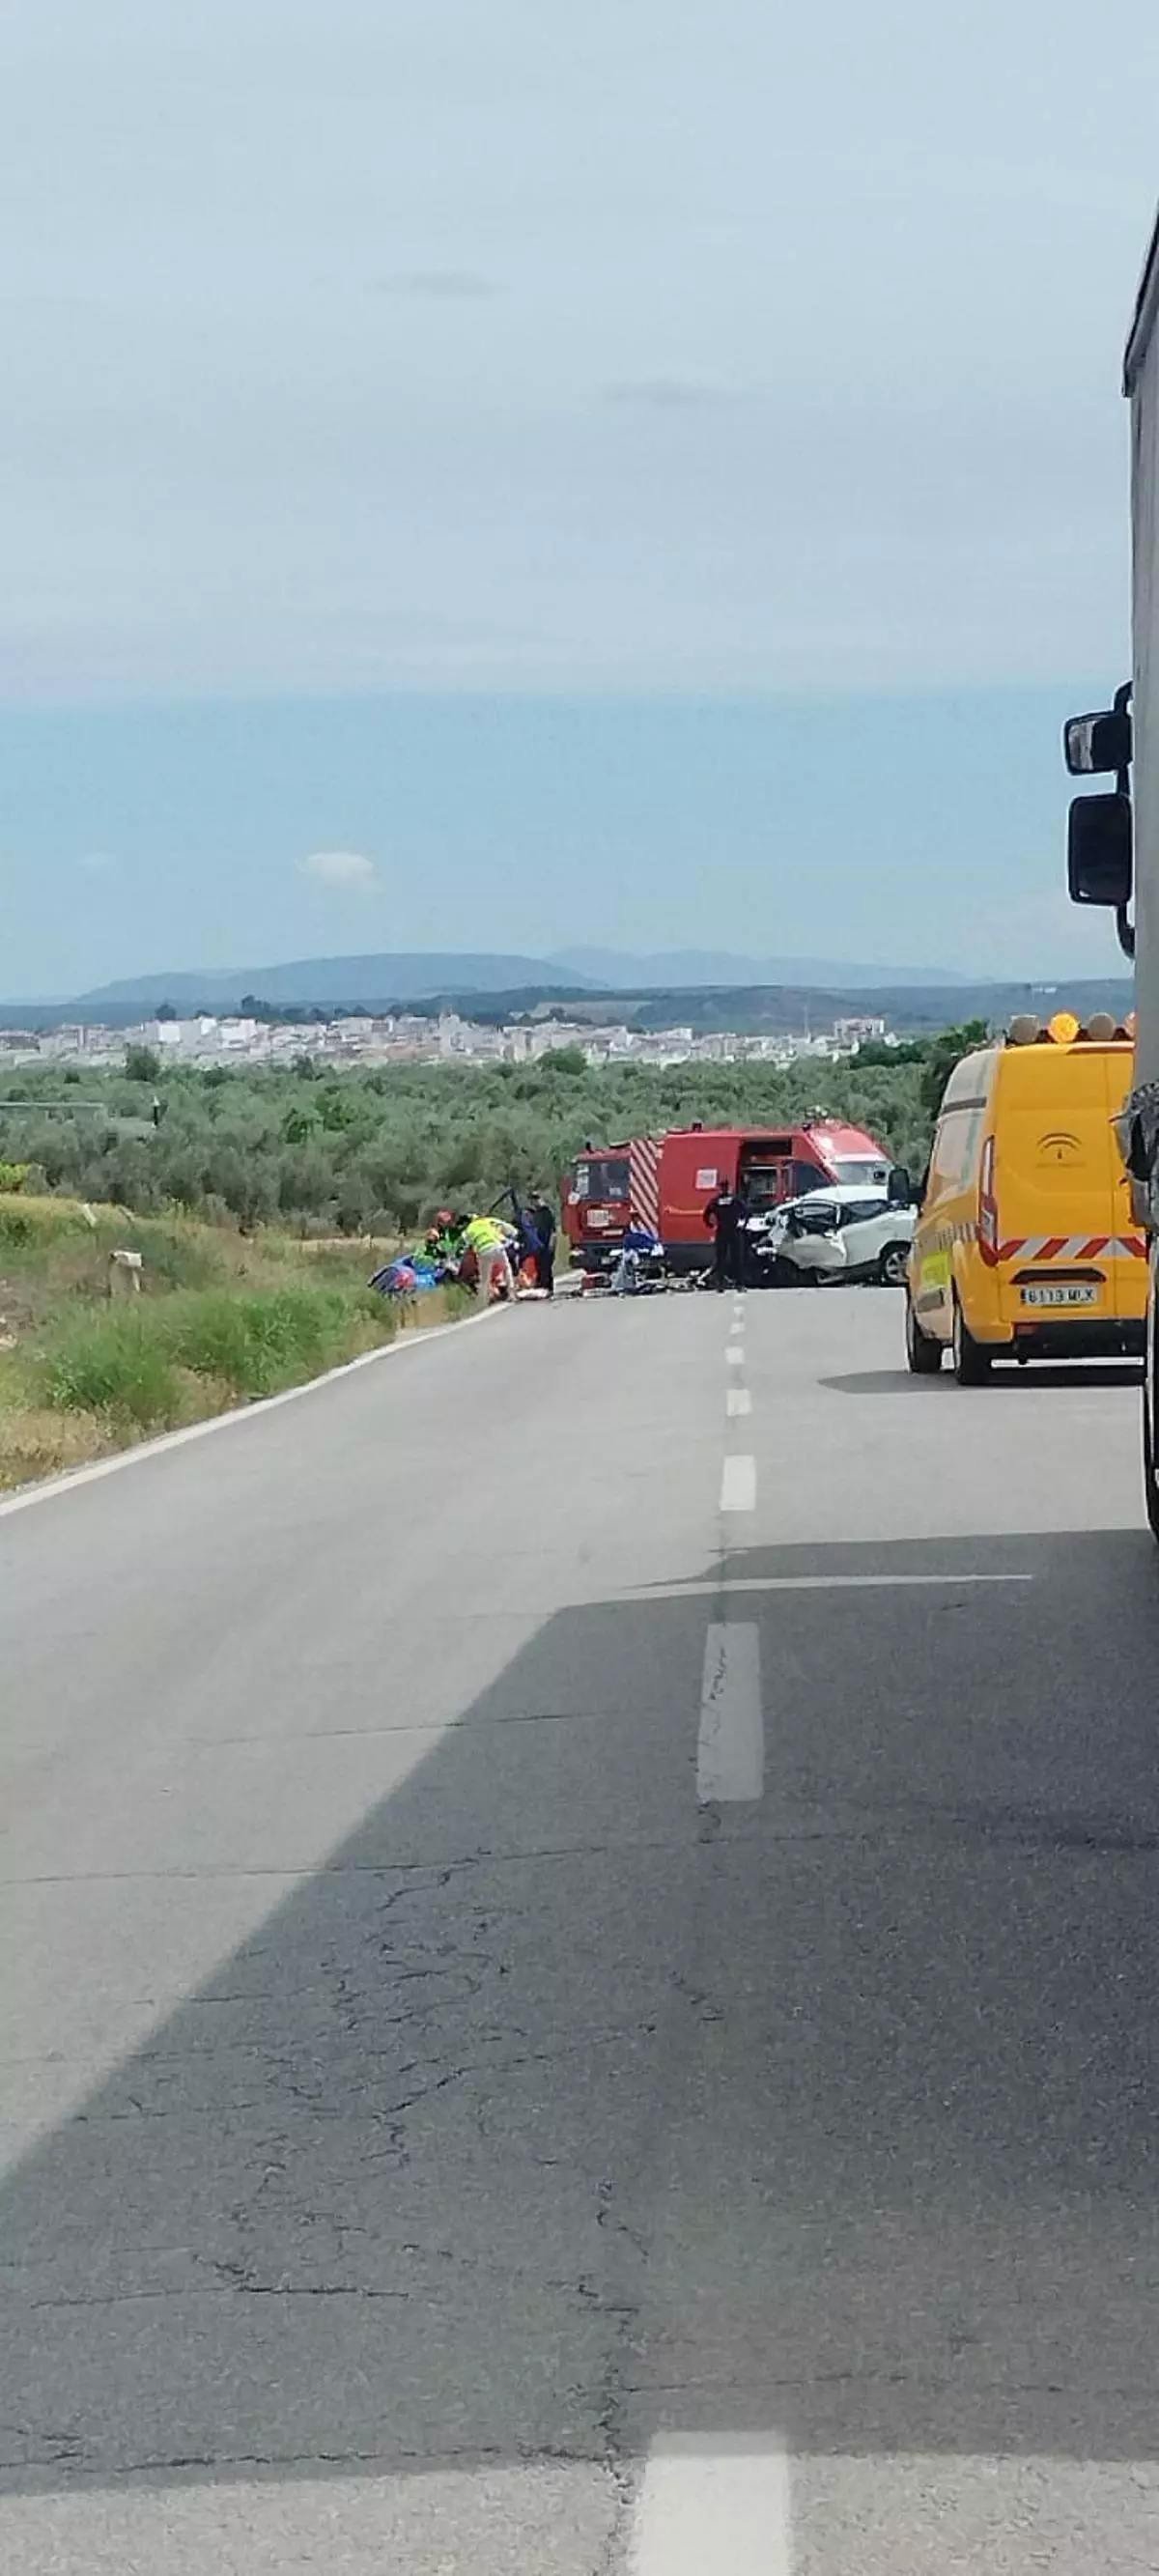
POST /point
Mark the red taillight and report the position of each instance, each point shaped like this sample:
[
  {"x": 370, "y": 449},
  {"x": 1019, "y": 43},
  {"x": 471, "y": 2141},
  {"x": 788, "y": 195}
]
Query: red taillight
[{"x": 987, "y": 1204}]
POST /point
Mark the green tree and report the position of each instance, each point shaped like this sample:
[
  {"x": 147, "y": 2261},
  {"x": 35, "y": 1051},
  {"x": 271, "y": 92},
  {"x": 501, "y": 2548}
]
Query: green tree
[
  {"x": 142, "y": 1064},
  {"x": 945, "y": 1052},
  {"x": 564, "y": 1059}
]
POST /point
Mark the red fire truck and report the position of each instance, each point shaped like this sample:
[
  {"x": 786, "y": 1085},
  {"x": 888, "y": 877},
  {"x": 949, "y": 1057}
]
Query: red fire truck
[{"x": 666, "y": 1182}]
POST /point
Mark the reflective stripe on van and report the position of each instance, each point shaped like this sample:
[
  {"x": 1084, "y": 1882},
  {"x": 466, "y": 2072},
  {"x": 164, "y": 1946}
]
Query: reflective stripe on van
[
  {"x": 1073, "y": 1247},
  {"x": 1042, "y": 1247}
]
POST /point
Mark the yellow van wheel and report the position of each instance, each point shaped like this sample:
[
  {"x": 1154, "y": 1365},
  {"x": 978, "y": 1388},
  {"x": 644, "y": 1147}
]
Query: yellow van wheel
[
  {"x": 923, "y": 1354},
  {"x": 972, "y": 1361}
]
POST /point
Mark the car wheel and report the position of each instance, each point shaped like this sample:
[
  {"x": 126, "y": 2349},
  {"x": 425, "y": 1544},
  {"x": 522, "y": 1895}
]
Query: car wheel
[
  {"x": 891, "y": 1268},
  {"x": 923, "y": 1353},
  {"x": 972, "y": 1361}
]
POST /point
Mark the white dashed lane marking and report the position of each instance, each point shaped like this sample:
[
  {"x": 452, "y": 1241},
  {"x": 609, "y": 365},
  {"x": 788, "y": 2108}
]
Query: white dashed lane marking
[
  {"x": 737, "y": 1400},
  {"x": 738, "y": 1485},
  {"x": 713, "y": 2500},
  {"x": 735, "y": 1355},
  {"x": 730, "y": 1753}
]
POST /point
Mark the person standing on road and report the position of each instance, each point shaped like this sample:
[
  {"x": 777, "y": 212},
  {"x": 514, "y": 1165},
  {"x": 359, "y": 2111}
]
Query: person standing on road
[
  {"x": 544, "y": 1222},
  {"x": 487, "y": 1239},
  {"x": 727, "y": 1215},
  {"x": 525, "y": 1253}
]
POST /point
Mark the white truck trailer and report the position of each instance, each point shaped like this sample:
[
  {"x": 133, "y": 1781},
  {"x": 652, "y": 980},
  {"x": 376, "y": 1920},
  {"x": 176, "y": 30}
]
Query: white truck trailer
[{"x": 1113, "y": 835}]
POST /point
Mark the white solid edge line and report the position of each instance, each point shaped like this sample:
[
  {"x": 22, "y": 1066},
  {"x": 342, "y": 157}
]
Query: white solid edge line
[
  {"x": 713, "y": 2500},
  {"x": 738, "y": 1485},
  {"x": 737, "y": 1399},
  {"x": 416, "y": 1339},
  {"x": 730, "y": 1750},
  {"x": 710, "y": 1590}
]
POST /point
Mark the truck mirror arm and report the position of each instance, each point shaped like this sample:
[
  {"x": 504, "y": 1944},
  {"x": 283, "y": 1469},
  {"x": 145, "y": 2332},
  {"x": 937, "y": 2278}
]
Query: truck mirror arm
[
  {"x": 1100, "y": 829},
  {"x": 1124, "y": 926}
]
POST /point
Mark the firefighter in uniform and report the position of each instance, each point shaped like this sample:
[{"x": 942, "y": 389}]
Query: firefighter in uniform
[{"x": 726, "y": 1215}]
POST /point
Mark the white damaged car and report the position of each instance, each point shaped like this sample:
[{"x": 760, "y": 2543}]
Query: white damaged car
[{"x": 831, "y": 1234}]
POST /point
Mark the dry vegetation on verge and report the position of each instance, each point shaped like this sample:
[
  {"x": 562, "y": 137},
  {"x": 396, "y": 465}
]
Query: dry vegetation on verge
[{"x": 221, "y": 1319}]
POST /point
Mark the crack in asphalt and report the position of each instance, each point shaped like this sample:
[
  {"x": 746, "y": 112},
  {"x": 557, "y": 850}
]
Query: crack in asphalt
[{"x": 470, "y": 2457}]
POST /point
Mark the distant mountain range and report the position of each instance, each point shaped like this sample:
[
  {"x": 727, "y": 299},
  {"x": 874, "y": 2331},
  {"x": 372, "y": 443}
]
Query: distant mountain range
[
  {"x": 419, "y": 975},
  {"x": 675, "y": 969},
  {"x": 405, "y": 977},
  {"x": 767, "y": 1009}
]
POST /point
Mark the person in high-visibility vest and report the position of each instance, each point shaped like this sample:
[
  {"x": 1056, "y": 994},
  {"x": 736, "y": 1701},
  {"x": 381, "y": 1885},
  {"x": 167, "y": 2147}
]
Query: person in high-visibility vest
[
  {"x": 487, "y": 1239},
  {"x": 444, "y": 1241}
]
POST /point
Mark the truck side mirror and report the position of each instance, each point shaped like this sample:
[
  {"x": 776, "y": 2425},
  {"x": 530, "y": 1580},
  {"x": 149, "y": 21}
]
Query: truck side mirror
[
  {"x": 899, "y": 1188},
  {"x": 1092, "y": 744},
  {"x": 1098, "y": 850}
]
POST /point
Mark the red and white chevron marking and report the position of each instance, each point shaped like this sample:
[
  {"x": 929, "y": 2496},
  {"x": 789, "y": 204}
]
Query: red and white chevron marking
[
  {"x": 644, "y": 1179},
  {"x": 1073, "y": 1247}
]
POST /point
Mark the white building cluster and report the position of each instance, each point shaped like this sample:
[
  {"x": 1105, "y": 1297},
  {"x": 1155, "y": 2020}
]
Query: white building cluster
[{"x": 407, "y": 1038}]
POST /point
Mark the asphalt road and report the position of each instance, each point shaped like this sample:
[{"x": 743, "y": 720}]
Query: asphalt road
[{"x": 581, "y": 1968}]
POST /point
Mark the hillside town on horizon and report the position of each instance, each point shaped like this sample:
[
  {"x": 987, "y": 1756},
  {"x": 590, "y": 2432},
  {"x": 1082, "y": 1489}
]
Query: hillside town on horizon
[{"x": 206, "y": 1039}]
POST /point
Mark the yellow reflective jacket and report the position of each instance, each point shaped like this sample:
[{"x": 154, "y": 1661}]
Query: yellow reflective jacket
[{"x": 482, "y": 1232}]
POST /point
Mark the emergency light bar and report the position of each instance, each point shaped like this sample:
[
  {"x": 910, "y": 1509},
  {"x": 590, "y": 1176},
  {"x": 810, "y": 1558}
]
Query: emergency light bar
[{"x": 1102, "y": 1029}]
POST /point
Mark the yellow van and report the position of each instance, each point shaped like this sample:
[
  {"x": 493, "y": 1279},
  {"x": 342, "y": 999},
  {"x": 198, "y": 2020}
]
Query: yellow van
[{"x": 1025, "y": 1247}]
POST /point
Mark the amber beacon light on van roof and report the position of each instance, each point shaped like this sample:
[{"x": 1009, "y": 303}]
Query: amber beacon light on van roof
[{"x": 1102, "y": 1029}]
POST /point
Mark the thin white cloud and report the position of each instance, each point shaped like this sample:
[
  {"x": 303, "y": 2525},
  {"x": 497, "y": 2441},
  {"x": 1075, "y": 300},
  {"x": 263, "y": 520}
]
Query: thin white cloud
[
  {"x": 341, "y": 870},
  {"x": 441, "y": 285},
  {"x": 97, "y": 863},
  {"x": 825, "y": 399},
  {"x": 672, "y": 393}
]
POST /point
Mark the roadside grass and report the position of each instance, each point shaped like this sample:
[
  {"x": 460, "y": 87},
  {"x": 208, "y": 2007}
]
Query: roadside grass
[{"x": 221, "y": 1320}]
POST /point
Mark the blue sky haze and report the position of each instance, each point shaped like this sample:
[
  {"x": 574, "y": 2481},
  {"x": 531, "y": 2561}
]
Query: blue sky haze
[{"x": 620, "y": 474}]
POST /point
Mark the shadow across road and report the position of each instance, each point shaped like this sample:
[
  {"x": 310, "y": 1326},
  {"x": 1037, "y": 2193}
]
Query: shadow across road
[
  {"x": 1081, "y": 1374},
  {"x": 552, "y": 2111}
]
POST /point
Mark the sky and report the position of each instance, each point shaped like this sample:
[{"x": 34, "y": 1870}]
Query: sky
[{"x": 521, "y": 476}]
